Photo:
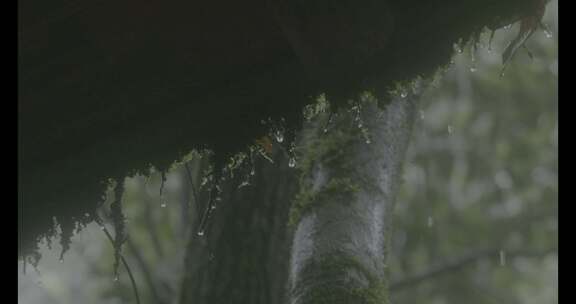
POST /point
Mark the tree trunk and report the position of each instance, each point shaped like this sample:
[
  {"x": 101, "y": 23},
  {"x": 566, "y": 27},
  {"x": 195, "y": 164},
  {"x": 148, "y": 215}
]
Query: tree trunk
[
  {"x": 242, "y": 258},
  {"x": 341, "y": 216}
]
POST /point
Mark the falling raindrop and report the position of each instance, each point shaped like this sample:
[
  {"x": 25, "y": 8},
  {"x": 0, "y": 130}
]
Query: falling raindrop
[
  {"x": 292, "y": 162},
  {"x": 502, "y": 258},
  {"x": 430, "y": 221}
]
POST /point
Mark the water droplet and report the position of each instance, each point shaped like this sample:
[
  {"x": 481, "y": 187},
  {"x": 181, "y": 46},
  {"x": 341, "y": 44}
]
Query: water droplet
[
  {"x": 368, "y": 141},
  {"x": 61, "y": 260},
  {"x": 450, "y": 129},
  {"x": 546, "y": 30},
  {"x": 200, "y": 233},
  {"x": 279, "y": 136},
  {"x": 430, "y": 221},
  {"x": 244, "y": 184},
  {"x": 325, "y": 130},
  {"x": 473, "y": 69},
  {"x": 213, "y": 207},
  {"x": 403, "y": 94},
  {"x": 421, "y": 114},
  {"x": 163, "y": 204},
  {"x": 292, "y": 162},
  {"x": 502, "y": 258},
  {"x": 87, "y": 214},
  {"x": 252, "y": 172},
  {"x": 116, "y": 278},
  {"x": 458, "y": 48}
]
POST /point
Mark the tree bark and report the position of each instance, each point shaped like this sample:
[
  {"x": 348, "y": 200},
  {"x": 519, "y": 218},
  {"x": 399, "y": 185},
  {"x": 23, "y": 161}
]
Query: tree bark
[
  {"x": 341, "y": 216},
  {"x": 242, "y": 258}
]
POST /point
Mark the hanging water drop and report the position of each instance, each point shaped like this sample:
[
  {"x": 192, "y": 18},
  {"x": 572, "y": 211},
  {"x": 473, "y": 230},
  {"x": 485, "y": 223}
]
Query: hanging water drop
[
  {"x": 116, "y": 278},
  {"x": 279, "y": 136},
  {"x": 162, "y": 198},
  {"x": 292, "y": 162},
  {"x": 450, "y": 129},
  {"x": 61, "y": 260},
  {"x": 403, "y": 93},
  {"x": 473, "y": 69},
  {"x": 546, "y": 30},
  {"x": 200, "y": 233},
  {"x": 244, "y": 184},
  {"x": 422, "y": 114},
  {"x": 458, "y": 48}
]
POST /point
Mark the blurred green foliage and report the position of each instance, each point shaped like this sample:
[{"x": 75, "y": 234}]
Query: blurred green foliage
[{"x": 477, "y": 216}]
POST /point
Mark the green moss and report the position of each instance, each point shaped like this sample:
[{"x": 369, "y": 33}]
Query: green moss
[
  {"x": 329, "y": 280},
  {"x": 332, "y": 150},
  {"x": 307, "y": 199}
]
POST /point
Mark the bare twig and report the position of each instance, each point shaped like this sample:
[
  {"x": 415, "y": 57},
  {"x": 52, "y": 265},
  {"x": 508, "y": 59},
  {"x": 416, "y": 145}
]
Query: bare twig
[
  {"x": 461, "y": 262},
  {"x": 111, "y": 239}
]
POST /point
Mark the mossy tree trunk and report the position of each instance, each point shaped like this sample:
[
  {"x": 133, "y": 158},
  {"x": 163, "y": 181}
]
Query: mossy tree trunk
[
  {"x": 242, "y": 257},
  {"x": 349, "y": 175}
]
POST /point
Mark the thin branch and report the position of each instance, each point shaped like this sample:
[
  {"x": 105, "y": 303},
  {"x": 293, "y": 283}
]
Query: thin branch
[
  {"x": 193, "y": 186},
  {"x": 147, "y": 273},
  {"x": 132, "y": 280},
  {"x": 461, "y": 262}
]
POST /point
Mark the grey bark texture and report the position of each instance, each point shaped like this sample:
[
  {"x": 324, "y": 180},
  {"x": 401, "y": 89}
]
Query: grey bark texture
[
  {"x": 242, "y": 257},
  {"x": 350, "y": 173}
]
